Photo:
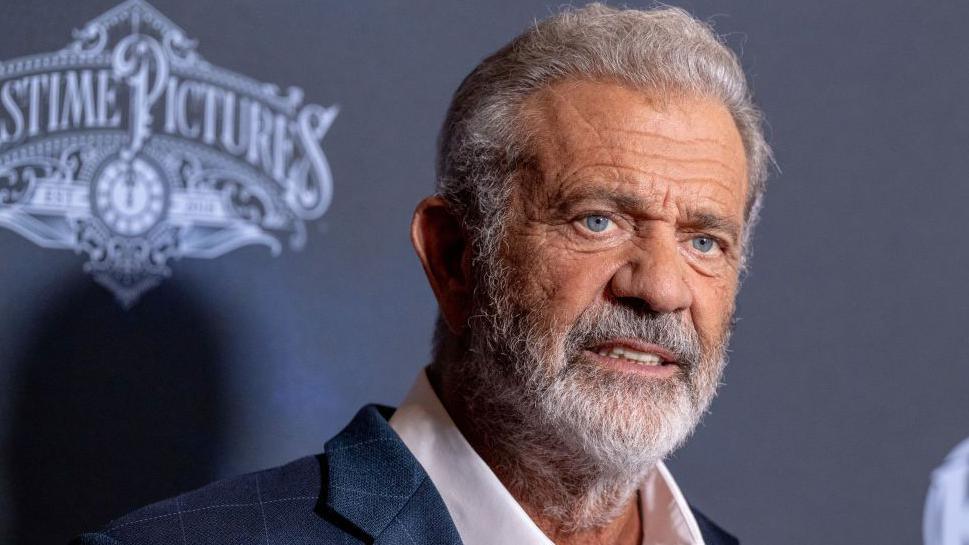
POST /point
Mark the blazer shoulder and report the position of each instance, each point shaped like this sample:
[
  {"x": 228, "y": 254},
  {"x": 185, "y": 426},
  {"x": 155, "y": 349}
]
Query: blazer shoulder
[
  {"x": 266, "y": 504},
  {"x": 712, "y": 533}
]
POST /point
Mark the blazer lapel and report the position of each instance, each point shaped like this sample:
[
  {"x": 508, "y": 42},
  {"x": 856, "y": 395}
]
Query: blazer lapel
[
  {"x": 712, "y": 534},
  {"x": 376, "y": 484}
]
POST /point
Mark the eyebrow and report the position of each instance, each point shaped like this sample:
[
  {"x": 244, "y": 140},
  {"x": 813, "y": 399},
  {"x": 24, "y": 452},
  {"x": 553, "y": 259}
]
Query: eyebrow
[
  {"x": 596, "y": 194},
  {"x": 698, "y": 219},
  {"x": 709, "y": 221}
]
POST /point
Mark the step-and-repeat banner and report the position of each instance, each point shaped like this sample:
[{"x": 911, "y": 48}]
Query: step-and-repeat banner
[{"x": 204, "y": 213}]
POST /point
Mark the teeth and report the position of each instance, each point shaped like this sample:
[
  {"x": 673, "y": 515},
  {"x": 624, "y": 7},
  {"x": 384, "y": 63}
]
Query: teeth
[{"x": 644, "y": 358}]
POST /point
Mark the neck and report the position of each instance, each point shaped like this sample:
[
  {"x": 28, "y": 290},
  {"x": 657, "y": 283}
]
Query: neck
[{"x": 573, "y": 499}]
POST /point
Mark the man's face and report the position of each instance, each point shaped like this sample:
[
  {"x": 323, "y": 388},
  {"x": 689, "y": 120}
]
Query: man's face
[{"x": 612, "y": 296}]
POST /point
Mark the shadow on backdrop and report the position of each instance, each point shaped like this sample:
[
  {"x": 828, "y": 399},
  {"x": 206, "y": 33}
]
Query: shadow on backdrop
[{"x": 112, "y": 409}]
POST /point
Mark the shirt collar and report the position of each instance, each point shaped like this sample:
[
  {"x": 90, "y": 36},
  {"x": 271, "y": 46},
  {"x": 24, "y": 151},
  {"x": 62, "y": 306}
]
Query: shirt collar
[{"x": 483, "y": 510}]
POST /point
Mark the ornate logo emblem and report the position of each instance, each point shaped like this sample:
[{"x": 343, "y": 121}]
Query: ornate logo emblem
[
  {"x": 946, "y": 520},
  {"x": 129, "y": 147}
]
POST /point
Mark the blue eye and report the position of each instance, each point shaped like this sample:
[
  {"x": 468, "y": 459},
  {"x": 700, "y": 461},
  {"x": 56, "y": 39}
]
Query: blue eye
[
  {"x": 704, "y": 244},
  {"x": 597, "y": 224}
]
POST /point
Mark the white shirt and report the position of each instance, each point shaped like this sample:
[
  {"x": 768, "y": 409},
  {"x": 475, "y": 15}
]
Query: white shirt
[{"x": 483, "y": 510}]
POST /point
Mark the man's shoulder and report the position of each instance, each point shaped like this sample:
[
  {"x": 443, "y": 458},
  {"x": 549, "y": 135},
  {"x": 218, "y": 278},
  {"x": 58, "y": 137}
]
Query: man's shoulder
[
  {"x": 280, "y": 504},
  {"x": 348, "y": 494}
]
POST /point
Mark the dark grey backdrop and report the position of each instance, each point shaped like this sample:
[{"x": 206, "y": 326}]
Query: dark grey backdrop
[{"x": 848, "y": 381}]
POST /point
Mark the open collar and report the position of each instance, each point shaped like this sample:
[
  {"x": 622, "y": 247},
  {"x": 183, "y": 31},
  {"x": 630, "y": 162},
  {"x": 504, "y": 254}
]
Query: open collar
[
  {"x": 485, "y": 512},
  {"x": 375, "y": 484}
]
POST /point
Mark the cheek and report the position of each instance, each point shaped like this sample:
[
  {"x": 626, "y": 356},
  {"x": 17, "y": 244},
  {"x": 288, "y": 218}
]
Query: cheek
[
  {"x": 565, "y": 283},
  {"x": 713, "y": 304}
]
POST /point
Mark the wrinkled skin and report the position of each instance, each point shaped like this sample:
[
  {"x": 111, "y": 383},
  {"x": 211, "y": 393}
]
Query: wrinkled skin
[
  {"x": 627, "y": 201},
  {"x": 662, "y": 174}
]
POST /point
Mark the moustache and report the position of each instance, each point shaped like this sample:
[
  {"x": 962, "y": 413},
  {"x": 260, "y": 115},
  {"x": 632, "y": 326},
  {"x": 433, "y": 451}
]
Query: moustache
[{"x": 599, "y": 325}]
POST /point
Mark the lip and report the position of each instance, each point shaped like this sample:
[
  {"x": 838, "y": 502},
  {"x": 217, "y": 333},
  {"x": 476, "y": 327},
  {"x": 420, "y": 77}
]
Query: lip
[
  {"x": 638, "y": 346},
  {"x": 668, "y": 368}
]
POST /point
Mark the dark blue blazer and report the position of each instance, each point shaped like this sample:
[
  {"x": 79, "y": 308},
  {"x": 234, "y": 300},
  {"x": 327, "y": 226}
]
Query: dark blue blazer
[{"x": 366, "y": 487}]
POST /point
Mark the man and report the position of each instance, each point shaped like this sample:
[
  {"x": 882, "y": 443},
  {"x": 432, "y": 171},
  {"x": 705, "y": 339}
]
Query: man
[{"x": 598, "y": 180}]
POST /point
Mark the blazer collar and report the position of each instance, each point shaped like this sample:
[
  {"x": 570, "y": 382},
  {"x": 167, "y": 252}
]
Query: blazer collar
[
  {"x": 372, "y": 480},
  {"x": 374, "y": 483}
]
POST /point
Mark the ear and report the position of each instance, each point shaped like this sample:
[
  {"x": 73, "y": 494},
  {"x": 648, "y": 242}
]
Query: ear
[{"x": 445, "y": 252}]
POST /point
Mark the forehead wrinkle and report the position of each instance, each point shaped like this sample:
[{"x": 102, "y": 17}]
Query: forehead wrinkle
[
  {"x": 604, "y": 128},
  {"x": 645, "y": 176},
  {"x": 659, "y": 155},
  {"x": 545, "y": 114},
  {"x": 558, "y": 98},
  {"x": 566, "y": 148},
  {"x": 649, "y": 134},
  {"x": 700, "y": 199},
  {"x": 561, "y": 149}
]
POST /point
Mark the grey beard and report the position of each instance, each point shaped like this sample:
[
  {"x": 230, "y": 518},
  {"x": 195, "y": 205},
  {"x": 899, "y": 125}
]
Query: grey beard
[{"x": 570, "y": 438}]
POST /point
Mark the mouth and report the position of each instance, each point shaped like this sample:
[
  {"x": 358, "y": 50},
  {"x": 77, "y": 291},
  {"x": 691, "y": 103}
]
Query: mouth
[{"x": 634, "y": 356}]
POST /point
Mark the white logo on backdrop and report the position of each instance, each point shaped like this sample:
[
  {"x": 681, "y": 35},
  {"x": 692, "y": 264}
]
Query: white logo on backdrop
[
  {"x": 946, "y": 520},
  {"x": 127, "y": 146}
]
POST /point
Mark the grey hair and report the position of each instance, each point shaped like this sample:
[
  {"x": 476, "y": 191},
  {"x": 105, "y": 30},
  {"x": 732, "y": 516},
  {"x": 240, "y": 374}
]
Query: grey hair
[{"x": 482, "y": 146}]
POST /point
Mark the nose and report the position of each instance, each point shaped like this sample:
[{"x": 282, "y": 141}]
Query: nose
[{"x": 653, "y": 278}]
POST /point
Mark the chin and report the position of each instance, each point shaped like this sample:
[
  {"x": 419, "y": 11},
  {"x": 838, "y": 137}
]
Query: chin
[{"x": 624, "y": 424}]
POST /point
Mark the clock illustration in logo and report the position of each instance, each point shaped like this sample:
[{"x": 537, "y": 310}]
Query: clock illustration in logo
[{"x": 129, "y": 196}]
